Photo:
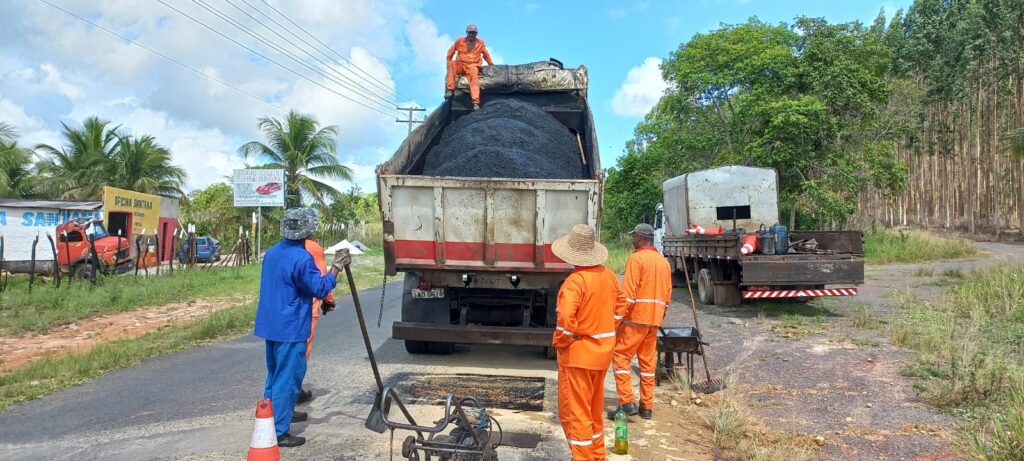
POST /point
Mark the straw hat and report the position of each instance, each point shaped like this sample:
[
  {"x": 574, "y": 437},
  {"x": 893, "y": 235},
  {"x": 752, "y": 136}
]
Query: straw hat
[{"x": 580, "y": 247}]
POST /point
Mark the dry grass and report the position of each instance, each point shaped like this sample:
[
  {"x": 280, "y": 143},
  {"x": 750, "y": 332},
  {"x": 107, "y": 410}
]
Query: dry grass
[
  {"x": 970, "y": 357},
  {"x": 727, "y": 424},
  {"x": 889, "y": 247}
]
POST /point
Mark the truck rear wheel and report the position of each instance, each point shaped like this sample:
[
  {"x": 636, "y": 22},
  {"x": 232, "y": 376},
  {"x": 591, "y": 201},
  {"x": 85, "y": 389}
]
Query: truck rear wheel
[
  {"x": 424, "y": 311},
  {"x": 705, "y": 287},
  {"x": 82, "y": 272}
]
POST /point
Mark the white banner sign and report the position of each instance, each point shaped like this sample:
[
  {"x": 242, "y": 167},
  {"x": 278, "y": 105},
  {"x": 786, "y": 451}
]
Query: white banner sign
[
  {"x": 259, "y": 188},
  {"x": 20, "y": 226}
]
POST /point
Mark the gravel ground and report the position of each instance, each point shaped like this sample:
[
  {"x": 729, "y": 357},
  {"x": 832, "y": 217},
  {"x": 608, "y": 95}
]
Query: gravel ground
[{"x": 506, "y": 139}]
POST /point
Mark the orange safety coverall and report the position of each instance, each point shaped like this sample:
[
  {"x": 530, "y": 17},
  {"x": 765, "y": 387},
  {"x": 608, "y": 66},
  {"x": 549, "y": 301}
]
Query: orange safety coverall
[
  {"x": 320, "y": 260},
  {"x": 588, "y": 303},
  {"x": 468, "y": 63},
  {"x": 648, "y": 289}
]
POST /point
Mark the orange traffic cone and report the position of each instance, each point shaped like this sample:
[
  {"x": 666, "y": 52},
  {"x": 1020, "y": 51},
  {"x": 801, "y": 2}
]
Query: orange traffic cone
[
  {"x": 749, "y": 244},
  {"x": 263, "y": 446}
]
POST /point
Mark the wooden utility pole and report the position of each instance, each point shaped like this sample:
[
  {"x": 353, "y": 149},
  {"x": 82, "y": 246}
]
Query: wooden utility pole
[{"x": 410, "y": 121}]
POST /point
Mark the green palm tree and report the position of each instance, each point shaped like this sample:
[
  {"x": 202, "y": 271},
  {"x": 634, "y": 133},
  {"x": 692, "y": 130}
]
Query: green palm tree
[
  {"x": 16, "y": 177},
  {"x": 306, "y": 153},
  {"x": 142, "y": 165},
  {"x": 76, "y": 170}
]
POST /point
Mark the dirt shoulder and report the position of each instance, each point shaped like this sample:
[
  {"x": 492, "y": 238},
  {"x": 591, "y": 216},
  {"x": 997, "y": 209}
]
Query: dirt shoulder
[
  {"x": 825, "y": 372},
  {"x": 17, "y": 351}
]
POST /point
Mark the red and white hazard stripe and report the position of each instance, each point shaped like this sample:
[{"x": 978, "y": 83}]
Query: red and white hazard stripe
[{"x": 771, "y": 294}]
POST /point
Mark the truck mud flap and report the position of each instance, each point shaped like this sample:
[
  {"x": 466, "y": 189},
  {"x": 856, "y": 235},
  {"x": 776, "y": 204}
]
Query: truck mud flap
[{"x": 472, "y": 334}]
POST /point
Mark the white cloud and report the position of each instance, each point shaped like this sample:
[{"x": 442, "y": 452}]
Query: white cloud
[
  {"x": 55, "y": 68},
  {"x": 31, "y": 130},
  {"x": 641, "y": 89},
  {"x": 429, "y": 48}
]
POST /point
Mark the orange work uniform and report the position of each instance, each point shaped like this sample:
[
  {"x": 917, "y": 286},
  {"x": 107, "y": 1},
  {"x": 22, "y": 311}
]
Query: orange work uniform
[
  {"x": 588, "y": 303},
  {"x": 468, "y": 63},
  {"x": 648, "y": 289},
  {"x": 320, "y": 260}
]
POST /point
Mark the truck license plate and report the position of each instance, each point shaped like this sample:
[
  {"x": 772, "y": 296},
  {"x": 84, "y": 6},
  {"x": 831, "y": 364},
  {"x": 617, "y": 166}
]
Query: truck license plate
[{"x": 435, "y": 293}]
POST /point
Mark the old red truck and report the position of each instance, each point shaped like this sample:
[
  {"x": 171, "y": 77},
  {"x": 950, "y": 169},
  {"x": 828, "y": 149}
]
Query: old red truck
[{"x": 75, "y": 251}]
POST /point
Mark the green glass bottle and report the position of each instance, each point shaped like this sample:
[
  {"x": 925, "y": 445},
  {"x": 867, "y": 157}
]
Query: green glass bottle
[{"x": 621, "y": 433}]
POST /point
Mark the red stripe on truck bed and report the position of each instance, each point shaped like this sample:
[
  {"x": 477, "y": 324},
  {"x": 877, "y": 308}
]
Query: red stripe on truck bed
[{"x": 419, "y": 252}]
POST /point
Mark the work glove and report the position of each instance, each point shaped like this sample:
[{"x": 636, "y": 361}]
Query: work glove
[
  {"x": 342, "y": 259},
  {"x": 326, "y": 306}
]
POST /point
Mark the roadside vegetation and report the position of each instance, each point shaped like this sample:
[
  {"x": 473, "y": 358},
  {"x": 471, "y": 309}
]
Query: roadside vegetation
[
  {"x": 906, "y": 247},
  {"x": 46, "y": 307},
  {"x": 46, "y": 376},
  {"x": 970, "y": 358}
]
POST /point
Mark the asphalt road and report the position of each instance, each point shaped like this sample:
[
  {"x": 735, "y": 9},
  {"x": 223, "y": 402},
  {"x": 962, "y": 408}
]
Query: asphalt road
[{"x": 199, "y": 404}]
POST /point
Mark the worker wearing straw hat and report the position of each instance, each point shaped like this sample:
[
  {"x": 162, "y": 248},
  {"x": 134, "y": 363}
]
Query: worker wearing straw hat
[{"x": 590, "y": 304}]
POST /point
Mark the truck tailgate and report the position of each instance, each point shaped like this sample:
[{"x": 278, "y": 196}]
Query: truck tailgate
[
  {"x": 794, "y": 269},
  {"x": 481, "y": 223}
]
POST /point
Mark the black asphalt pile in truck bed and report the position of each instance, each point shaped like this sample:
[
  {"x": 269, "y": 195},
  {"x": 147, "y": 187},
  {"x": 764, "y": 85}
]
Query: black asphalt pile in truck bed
[{"x": 506, "y": 139}]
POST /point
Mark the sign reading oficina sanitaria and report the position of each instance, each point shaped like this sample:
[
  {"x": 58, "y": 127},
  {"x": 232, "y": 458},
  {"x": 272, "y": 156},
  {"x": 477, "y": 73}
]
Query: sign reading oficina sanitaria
[{"x": 259, "y": 188}]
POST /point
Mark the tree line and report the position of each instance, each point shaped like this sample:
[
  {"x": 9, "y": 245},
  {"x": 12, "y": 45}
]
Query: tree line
[
  {"x": 897, "y": 122},
  {"x": 93, "y": 155}
]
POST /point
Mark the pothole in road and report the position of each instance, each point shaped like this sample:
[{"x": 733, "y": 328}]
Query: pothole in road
[{"x": 506, "y": 392}]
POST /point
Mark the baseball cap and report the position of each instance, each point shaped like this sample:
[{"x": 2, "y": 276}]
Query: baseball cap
[{"x": 643, "y": 230}]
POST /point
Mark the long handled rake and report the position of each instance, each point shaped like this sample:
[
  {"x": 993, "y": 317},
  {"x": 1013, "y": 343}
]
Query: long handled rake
[{"x": 710, "y": 385}]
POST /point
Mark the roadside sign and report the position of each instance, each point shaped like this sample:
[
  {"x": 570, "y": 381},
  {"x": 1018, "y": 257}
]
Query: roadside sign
[{"x": 259, "y": 188}]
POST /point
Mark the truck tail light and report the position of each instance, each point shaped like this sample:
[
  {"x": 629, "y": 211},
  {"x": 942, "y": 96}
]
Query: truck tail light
[{"x": 425, "y": 286}]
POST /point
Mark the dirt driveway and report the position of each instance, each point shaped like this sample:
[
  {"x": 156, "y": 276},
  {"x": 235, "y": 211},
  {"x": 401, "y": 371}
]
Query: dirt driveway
[{"x": 827, "y": 371}]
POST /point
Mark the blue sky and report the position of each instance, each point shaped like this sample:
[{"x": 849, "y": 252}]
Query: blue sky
[{"x": 54, "y": 69}]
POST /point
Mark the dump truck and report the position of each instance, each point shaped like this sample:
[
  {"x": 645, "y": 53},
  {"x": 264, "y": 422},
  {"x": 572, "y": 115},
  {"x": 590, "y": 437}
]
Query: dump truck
[
  {"x": 736, "y": 201},
  {"x": 476, "y": 251}
]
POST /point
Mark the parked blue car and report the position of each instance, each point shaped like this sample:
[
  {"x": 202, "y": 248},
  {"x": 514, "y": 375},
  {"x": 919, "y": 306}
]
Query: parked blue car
[{"x": 207, "y": 250}]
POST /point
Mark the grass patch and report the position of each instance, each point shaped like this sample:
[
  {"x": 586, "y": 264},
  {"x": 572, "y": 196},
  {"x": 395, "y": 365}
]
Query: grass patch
[
  {"x": 970, "y": 356},
  {"x": 924, "y": 272},
  {"x": 46, "y": 307},
  {"x": 726, "y": 423},
  {"x": 49, "y": 375},
  {"x": 618, "y": 251},
  {"x": 890, "y": 247},
  {"x": 46, "y": 376},
  {"x": 864, "y": 318},
  {"x": 768, "y": 452}
]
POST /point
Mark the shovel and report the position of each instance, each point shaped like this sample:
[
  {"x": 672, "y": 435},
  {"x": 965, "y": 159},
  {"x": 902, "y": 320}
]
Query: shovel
[
  {"x": 375, "y": 420},
  {"x": 708, "y": 386}
]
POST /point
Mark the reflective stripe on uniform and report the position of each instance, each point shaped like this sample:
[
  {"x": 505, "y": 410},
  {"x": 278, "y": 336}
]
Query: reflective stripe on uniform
[
  {"x": 647, "y": 375},
  {"x": 603, "y": 335},
  {"x": 630, "y": 300},
  {"x": 598, "y": 435},
  {"x": 564, "y": 331},
  {"x": 580, "y": 443},
  {"x": 655, "y": 301},
  {"x": 622, "y": 372},
  {"x": 619, "y": 317}
]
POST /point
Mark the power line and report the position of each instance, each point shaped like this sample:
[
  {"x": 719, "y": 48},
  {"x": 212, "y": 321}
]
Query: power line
[
  {"x": 382, "y": 84},
  {"x": 388, "y": 97},
  {"x": 186, "y": 66},
  {"x": 231, "y": 21},
  {"x": 257, "y": 53}
]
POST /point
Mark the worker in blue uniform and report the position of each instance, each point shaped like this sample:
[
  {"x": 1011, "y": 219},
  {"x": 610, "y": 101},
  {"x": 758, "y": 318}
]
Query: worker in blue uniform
[{"x": 288, "y": 283}]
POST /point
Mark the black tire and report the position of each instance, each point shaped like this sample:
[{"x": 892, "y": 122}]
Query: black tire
[
  {"x": 439, "y": 348},
  {"x": 705, "y": 287},
  {"x": 81, "y": 272},
  {"x": 424, "y": 311},
  {"x": 416, "y": 347}
]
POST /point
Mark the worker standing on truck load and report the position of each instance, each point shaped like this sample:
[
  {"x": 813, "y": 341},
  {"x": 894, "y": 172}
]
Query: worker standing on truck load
[
  {"x": 471, "y": 53},
  {"x": 648, "y": 288},
  {"x": 589, "y": 304},
  {"x": 289, "y": 281},
  {"x": 320, "y": 306}
]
